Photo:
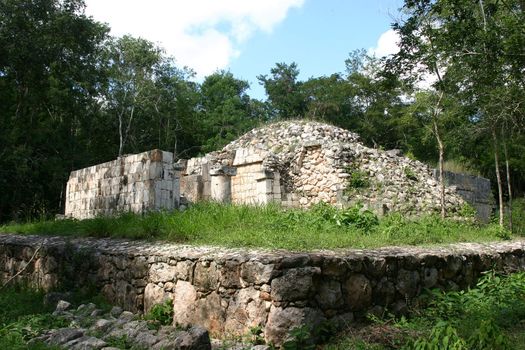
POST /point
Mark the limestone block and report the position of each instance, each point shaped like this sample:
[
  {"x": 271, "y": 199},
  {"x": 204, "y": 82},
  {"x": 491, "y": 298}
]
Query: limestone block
[
  {"x": 282, "y": 320},
  {"x": 294, "y": 284},
  {"x": 183, "y": 269},
  {"x": 153, "y": 294},
  {"x": 357, "y": 292},
  {"x": 407, "y": 283},
  {"x": 230, "y": 274},
  {"x": 221, "y": 188},
  {"x": 162, "y": 272},
  {"x": 206, "y": 278},
  {"x": 330, "y": 295},
  {"x": 264, "y": 186},
  {"x": 245, "y": 311},
  {"x": 184, "y": 300},
  {"x": 191, "y": 187}
]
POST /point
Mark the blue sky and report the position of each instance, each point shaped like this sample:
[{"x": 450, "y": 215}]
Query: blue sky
[
  {"x": 318, "y": 37},
  {"x": 248, "y": 37}
]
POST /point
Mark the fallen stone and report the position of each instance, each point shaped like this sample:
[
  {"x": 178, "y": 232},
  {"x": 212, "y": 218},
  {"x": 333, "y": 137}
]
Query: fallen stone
[
  {"x": 116, "y": 311},
  {"x": 65, "y": 335},
  {"x": 86, "y": 343},
  {"x": 62, "y": 305},
  {"x": 195, "y": 338}
]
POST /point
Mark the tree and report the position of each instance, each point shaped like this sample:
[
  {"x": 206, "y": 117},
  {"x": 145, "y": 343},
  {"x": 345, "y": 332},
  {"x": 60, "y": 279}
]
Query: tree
[
  {"x": 131, "y": 65},
  {"x": 49, "y": 78},
  {"x": 481, "y": 45},
  {"x": 225, "y": 110},
  {"x": 284, "y": 91}
]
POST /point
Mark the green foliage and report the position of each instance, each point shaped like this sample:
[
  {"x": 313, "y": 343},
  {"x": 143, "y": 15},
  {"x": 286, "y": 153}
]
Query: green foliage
[
  {"x": 442, "y": 337},
  {"x": 256, "y": 336},
  {"x": 358, "y": 180},
  {"x": 161, "y": 313},
  {"x": 488, "y": 337},
  {"x": 518, "y": 216},
  {"x": 467, "y": 211},
  {"x": 121, "y": 343},
  {"x": 284, "y": 91},
  {"x": 357, "y": 216},
  {"x": 24, "y": 317},
  {"x": 488, "y": 316},
  {"x": 477, "y": 316},
  {"x": 410, "y": 174},
  {"x": 300, "y": 338},
  {"x": 306, "y": 336}
]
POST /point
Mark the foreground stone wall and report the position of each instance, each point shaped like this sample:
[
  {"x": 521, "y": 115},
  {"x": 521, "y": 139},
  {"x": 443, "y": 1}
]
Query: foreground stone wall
[
  {"x": 137, "y": 183},
  {"x": 228, "y": 291}
]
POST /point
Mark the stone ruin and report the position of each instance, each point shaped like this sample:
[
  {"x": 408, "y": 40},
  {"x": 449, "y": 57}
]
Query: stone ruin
[
  {"x": 296, "y": 164},
  {"x": 134, "y": 183},
  {"x": 299, "y": 164}
]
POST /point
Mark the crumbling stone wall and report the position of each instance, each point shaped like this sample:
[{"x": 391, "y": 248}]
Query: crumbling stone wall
[
  {"x": 228, "y": 291},
  {"x": 136, "y": 183},
  {"x": 299, "y": 164}
]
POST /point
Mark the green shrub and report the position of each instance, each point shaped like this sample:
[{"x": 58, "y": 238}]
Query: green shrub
[
  {"x": 161, "y": 313},
  {"x": 358, "y": 179},
  {"x": 410, "y": 174},
  {"x": 357, "y": 216},
  {"x": 442, "y": 337},
  {"x": 518, "y": 216},
  {"x": 467, "y": 211}
]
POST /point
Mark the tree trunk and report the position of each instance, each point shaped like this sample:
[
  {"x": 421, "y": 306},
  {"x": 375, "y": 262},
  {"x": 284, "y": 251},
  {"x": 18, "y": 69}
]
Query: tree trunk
[
  {"x": 121, "y": 140},
  {"x": 509, "y": 186},
  {"x": 498, "y": 177},
  {"x": 441, "y": 168}
]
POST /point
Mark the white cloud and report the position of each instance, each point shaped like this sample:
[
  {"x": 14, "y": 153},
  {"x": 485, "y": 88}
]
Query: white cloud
[
  {"x": 202, "y": 34},
  {"x": 387, "y": 44}
]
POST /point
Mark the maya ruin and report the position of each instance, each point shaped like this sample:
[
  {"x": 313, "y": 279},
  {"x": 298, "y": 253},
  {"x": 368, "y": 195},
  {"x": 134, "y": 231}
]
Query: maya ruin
[{"x": 295, "y": 164}]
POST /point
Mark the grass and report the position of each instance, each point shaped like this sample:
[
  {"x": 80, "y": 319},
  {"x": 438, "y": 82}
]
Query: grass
[
  {"x": 271, "y": 227},
  {"x": 490, "y": 316}
]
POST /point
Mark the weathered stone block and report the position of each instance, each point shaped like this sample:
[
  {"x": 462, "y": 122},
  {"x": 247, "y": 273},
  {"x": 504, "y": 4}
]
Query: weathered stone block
[
  {"x": 245, "y": 311},
  {"x": 357, "y": 292},
  {"x": 407, "y": 283},
  {"x": 255, "y": 272},
  {"x": 282, "y": 320},
  {"x": 153, "y": 294},
  {"x": 162, "y": 272},
  {"x": 294, "y": 284}
]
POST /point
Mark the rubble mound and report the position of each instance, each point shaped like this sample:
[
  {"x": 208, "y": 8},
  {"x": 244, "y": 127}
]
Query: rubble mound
[{"x": 315, "y": 162}]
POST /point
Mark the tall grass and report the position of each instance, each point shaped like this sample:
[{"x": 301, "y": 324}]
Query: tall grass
[{"x": 271, "y": 226}]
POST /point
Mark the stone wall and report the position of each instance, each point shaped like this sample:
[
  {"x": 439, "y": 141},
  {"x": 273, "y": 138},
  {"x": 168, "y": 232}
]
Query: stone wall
[
  {"x": 475, "y": 190},
  {"x": 253, "y": 183},
  {"x": 137, "y": 183},
  {"x": 228, "y": 291}
]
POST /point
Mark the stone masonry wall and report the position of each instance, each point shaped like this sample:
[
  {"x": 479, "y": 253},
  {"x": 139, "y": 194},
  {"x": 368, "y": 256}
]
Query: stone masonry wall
[
  {"x": 253, "y": 183},
  {"x": 228, "y": 291},
  {"x": 137, "y": 183},
  {"x": 475, "y": 190}
]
